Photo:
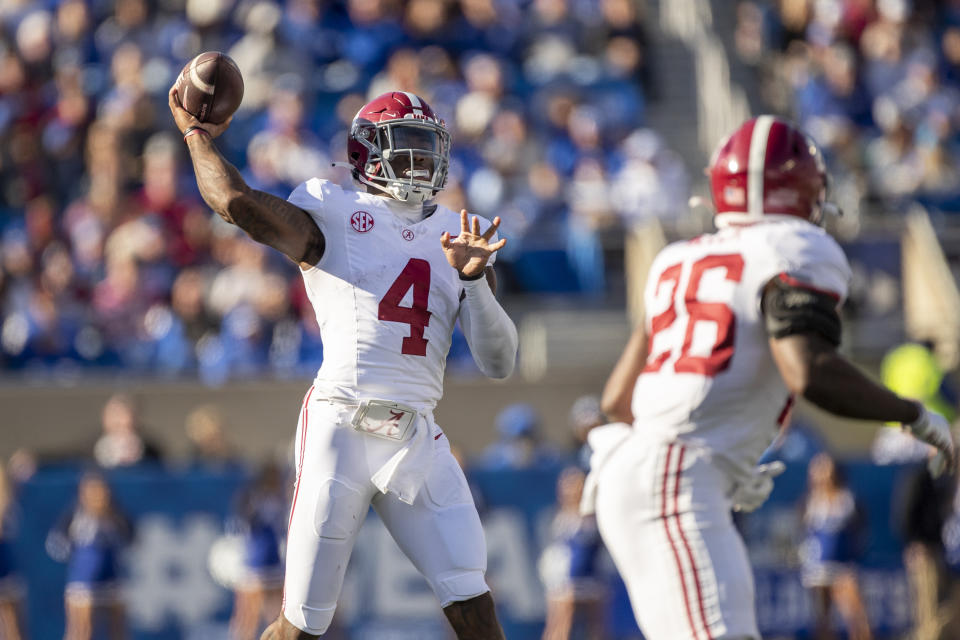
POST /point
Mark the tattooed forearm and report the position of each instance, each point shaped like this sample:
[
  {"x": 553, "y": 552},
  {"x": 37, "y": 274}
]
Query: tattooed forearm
[
  {"x": 218, "y": 180},
  {"x": 266, "y": 218}
]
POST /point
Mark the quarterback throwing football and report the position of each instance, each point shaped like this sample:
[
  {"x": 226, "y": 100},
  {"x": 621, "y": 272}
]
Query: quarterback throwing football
[
  {"x": 738, "y": 323},
  {"x": 388, "y": 274}
]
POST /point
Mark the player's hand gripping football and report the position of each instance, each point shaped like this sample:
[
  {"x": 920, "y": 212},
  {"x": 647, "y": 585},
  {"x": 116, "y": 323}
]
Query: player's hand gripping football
[
  {"x": 933, "y": 428},
  {"x": 185, "y": 119},
  {"x": 754, "y": 491},
  {"x": 468, "y": 252}
]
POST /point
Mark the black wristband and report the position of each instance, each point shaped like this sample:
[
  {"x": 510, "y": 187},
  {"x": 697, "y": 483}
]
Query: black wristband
[
  {"x": 920, "y": 411},
  {"x": 191, "y": 129},
  {"x": 470, "y": 278}
]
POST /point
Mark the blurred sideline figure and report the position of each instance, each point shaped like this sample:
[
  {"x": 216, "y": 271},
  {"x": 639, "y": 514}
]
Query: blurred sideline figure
[
  {"x": 568, "y": 567},
  {"x": 947, "y": 620},
  {"x": 389, "y": 273},
  {"x": 11, "y": 588},
  {"x": 90, "y": 538},
  {"x": 520, "y": 443},
  {"x": 584, "y": 416},
  {"x": 261, "y": 520},
  {"x": 833, "y": 537},
  {"x": 210, "y": 448},
  {"x": 122, "y": 443},
  {"x": 737, "y": 324},
  {"x": 912, "y": 370}
]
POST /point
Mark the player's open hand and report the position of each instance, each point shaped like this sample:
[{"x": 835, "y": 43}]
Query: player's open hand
[
  {"x": 185, "y": 119},
  {"x": 751, "y": 493},
  {"x": 469, "y": 252},
  {"x": 933, "y": 428}
]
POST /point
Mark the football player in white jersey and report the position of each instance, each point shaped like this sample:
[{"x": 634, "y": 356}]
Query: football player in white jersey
[
  {"x": 388, "y": 274},
  {"x": 738, "y": 324}
]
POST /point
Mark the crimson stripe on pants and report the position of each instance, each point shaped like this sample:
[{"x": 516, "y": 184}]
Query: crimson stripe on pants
[
  {"x": 673, "y": 547},
  {"x": 296, "y": 489},
  {"x": 686, "y": 544},
  {"x": 303, "y": 448}
]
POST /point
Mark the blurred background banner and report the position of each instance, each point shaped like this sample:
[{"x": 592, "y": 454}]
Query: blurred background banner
[{"x": 178, "y": 516}]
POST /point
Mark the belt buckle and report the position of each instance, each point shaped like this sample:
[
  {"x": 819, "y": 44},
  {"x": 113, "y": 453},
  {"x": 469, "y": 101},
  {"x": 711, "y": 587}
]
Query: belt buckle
[{"x": 384, "y": 419}]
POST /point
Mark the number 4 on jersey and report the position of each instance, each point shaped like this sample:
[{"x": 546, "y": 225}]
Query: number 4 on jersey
[{"x": 417, "y": 275}]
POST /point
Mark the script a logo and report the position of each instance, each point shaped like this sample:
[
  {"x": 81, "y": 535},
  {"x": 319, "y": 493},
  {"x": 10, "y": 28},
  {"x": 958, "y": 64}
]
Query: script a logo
[{"x": 361, "y": 221}]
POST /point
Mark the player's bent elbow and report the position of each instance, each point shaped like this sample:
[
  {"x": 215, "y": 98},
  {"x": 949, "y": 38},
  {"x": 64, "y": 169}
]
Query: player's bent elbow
[
  {"x": 499, "y": 371},
  {"x": 315, "y": 247},
  {"x": 499, "y": 364},
  {"x": 617, "y": 413},
  {"x": 615, "y": 404},
  {"x": 499, "y": 367},
  {"x": 234, "y": 206},
  {"x": 220, "y": 203},
  {"x": 798, "y": 382},
  {"x": 607, "y": 406}
]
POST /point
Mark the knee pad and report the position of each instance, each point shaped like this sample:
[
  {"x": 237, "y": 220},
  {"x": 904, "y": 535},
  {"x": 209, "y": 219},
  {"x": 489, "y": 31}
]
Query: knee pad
[
  {"x": 340, "y": 510},
  {"x": 457, "y": 587},
  {"x": 313, "y": 620}
]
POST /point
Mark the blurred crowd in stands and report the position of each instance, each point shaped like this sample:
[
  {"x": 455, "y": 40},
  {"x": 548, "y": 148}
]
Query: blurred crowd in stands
[
  {"x": 875, "y": 82},
  {"x": 110, "y": 258}
]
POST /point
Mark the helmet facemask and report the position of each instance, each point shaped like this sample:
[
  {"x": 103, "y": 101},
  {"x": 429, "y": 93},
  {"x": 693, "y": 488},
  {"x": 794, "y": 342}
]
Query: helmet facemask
[{"x": 408, "y": 159}]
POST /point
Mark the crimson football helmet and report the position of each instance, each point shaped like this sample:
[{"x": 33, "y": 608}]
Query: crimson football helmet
[
  {"x": 767, "y": 167},
  {"x": 398, "y": 132}
]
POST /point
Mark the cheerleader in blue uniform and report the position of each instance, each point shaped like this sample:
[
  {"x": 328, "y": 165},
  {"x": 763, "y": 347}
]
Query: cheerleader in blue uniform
[
  {"x": 90, "y": 538},
  {"x": 261, "y": 521},
  {"x": 830, "y": 550},
  {"x": 570, "y": 569},
  {"x": 11, "y": 589}
]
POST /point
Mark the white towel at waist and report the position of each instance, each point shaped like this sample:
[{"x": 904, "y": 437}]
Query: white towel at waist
[
  {"x": 407, "y": 469},
  {"x": 604, "y": 441}
]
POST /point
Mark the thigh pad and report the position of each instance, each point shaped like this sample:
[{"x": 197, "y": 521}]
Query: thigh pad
[{"x": 340, "y": 510}]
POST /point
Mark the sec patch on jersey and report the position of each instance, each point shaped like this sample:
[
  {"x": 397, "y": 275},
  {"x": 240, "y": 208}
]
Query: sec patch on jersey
[{"x": 210, "y": 87}]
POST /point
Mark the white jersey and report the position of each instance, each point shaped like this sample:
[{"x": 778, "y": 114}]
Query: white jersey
[
  {"x": 710, "y": 379},
  {"x": 385, "y": 297}
]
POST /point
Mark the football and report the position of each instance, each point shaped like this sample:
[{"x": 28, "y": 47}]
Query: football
[{"x": 210, "y": 87}]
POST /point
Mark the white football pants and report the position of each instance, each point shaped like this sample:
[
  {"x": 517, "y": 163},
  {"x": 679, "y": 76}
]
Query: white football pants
[
  {"x": 664, "y": 513},
  {"x": 440, "y": 532}
]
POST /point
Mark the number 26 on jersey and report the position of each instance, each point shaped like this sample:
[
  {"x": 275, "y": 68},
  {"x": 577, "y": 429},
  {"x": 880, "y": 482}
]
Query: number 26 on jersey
[{"x": 687, "y": 304}]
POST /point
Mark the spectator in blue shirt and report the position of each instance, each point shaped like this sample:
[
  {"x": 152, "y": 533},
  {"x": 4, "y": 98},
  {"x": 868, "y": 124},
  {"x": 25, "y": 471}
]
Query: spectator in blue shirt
[{"x": 520, "y": 444}]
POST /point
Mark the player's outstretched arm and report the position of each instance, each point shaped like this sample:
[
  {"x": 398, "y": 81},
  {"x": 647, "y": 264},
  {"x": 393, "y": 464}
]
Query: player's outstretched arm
[
  {"x": 618, "y": 391},
  {"x": 804, "y": 330},
  {"x": 488, "y": 329},
  {"x": 812, "y": 368},
  {"x": 264, "y": 217}
]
